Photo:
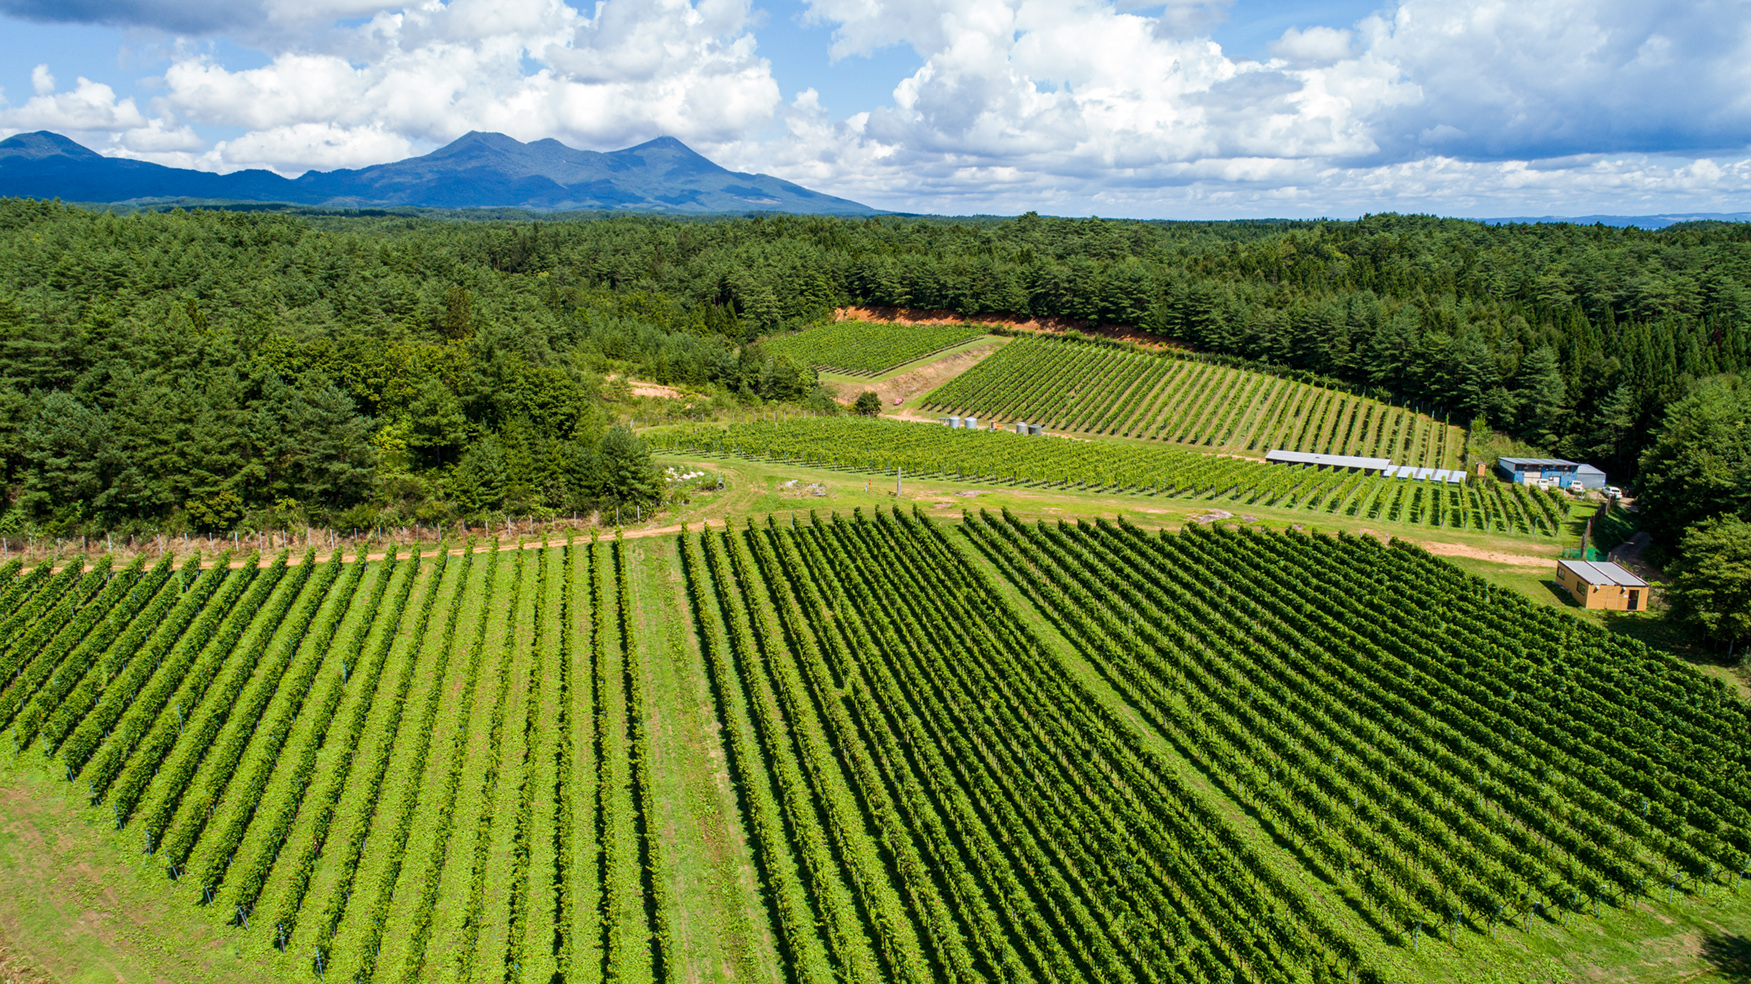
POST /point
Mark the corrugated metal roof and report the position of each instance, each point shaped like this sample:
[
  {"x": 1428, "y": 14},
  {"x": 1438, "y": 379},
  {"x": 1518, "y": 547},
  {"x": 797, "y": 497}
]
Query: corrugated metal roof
[
  {"x": 1588, "y": 470},
  {"x": 1327, "y": 460},
  {"x": 1602, "y": 572},
  {"x": 1538, "y": 462}
]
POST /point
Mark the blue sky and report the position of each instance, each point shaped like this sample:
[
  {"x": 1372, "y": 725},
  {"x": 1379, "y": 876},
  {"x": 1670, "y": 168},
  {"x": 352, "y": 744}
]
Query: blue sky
[{"x": 1188, "y": 108}]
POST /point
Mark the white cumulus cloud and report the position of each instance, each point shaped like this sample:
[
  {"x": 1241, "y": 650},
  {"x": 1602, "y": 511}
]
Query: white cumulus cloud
[
  {"x": 1314, "y": 46},
  {"x": 88, "y": 106},
  {"x": 627, "y": 71},
  {"x": 1445, "y": 104},
  {"x": 1116, "y": 106}
]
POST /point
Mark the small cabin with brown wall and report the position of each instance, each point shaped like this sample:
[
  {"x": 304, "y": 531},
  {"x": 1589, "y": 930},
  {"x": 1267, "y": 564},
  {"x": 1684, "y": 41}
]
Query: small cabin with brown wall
[{"x": 1602, "y": 584}]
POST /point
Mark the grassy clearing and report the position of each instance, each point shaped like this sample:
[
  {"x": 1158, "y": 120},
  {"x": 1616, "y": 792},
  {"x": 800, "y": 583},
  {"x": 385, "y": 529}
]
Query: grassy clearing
[
  {"x": 869, "y": 349},
  {"x": 81, "y": 904},
  {"x": 756, "y": 487}
]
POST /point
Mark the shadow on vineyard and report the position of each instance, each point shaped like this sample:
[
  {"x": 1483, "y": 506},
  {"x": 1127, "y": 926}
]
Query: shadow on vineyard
[
  {"x": 1729, "y": 955},
  {"x": 1663, "y": 634},
  {"x": 1558, "y": 595}
]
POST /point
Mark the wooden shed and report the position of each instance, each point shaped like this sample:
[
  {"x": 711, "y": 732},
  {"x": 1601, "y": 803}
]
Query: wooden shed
[{"x": 1602, "y": 584}]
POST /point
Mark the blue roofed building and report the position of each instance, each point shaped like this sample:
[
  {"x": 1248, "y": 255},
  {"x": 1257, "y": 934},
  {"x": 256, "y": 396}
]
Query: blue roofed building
[{"x": 1530, "y": 471}]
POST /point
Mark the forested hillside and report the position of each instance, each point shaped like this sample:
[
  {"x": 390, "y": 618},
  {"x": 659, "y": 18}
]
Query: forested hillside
[{"x": 200, "y": 368}]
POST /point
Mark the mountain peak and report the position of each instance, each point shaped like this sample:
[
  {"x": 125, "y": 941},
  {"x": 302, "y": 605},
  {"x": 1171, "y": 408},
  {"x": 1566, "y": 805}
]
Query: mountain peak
[
  {"x": 668, "y": 147},
  {"x": 674, "y": 157},
  {"x": 39, "y": 144},
  {"x": 662, "y": 143},
  {"x": 476, "y": 143}
]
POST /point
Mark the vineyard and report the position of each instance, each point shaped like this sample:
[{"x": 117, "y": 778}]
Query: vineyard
[
  {"x": 980, "y": 752},
  {"x": 927, "y": 450},
  {"x": 1084, "y": 388},
  {"x": 863, "y": 348},
  {"x": 1375, "y": 731},
  {"x": 412, "y": 770}
]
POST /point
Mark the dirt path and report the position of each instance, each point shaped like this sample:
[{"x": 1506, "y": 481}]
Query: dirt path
[
  {"x": 734, "y": 507},
  {"x": 916, "y": 382},
  {"x": 750, "y": 493},
  {"x": 1442, "y": 549},
  {"x": 1628, "y": 555}
]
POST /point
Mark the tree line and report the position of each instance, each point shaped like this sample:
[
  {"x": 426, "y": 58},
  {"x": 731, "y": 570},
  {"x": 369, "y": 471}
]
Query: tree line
[{"x": 210, "y": 367}]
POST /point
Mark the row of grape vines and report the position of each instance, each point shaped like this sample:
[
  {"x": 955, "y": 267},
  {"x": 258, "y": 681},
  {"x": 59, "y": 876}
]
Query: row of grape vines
[
  {"x": 929, "y": 800},
  {"x": 419, "y": 768},
  {"x": 926, "y": 450},
  {"x": 997, "y": 751},
  {"x": 1094, "y": 389},
  {"x": 1351, "y": 696},
  {"x": 863, "y": 348}
]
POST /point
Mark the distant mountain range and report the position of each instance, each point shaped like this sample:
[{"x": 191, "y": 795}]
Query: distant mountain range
[
  {"x": 1639, "y": 221},
  {"x": 478, "y": 170}
]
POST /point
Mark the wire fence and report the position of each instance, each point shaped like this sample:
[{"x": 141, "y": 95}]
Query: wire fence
[{"x": 551, "y": 525}]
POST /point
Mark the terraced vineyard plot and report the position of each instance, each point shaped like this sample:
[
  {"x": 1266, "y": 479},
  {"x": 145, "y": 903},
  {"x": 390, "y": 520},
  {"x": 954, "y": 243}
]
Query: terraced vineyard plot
[
  {"x": 988, "y": 753},
  {"x": 864, "y": 348},
  {"x": 929, "y": 450},
  {"x": 1083, "y": 388}
]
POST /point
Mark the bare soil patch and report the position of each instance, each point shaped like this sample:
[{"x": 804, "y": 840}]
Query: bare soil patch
[
  {"x": 640, "y": 387},
  {"x": 1443, "y": 549},
  {"x": 1045, "y": 326}
]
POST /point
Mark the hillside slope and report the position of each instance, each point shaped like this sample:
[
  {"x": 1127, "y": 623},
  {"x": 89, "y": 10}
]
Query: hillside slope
[{"x": 1085, "y": 388}]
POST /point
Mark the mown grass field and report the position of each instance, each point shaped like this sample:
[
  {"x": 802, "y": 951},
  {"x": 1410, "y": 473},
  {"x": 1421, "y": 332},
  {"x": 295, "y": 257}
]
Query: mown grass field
[
  {"x": 888, "y": 447},
  {"x": 1091, "y": 389},
  {"x": 869, "y": 349},
  {"x": 870, "y": 748}
]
